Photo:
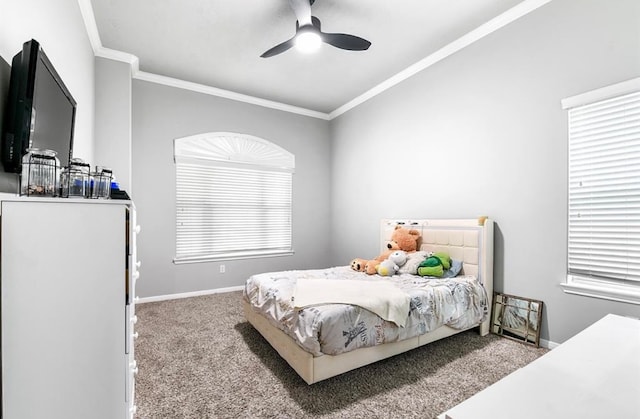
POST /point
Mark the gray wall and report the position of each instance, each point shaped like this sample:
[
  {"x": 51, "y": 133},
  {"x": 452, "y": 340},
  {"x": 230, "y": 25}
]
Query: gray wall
[
  {"x": 162, "y": 114},
  {"x": 59, "y": 28},
  {"x": 483, "y": 133},
  {"x": 113, "y": 119}
]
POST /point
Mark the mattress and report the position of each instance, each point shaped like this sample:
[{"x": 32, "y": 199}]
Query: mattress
[{"x": 460, "y": 302}]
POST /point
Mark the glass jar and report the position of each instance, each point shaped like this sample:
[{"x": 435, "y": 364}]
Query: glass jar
[
  {"x": 40, "y": 173},
  {"x": 101, "y": 183},
  {"x": 74, "y": 180}
]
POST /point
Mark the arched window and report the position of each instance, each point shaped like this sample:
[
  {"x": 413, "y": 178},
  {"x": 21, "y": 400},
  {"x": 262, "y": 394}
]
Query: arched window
[{"x": 233, "y": 197}]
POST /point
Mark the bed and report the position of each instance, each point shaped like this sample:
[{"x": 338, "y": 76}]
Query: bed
[{"x": 438, "y": 307}]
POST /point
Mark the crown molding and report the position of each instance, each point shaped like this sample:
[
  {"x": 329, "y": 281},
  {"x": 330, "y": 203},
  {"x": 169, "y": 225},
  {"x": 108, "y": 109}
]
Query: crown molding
[
  {"x": 86, "y": 9},
  {"x": 227, "y": 94},
  {"x": 116, "y": 55},
  {"x": 516, "y": 12},
  {"x": 480, "y": 32}
]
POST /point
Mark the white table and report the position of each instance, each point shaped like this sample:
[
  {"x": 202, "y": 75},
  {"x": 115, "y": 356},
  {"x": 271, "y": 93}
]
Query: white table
[{"x": 593, "y": 375}]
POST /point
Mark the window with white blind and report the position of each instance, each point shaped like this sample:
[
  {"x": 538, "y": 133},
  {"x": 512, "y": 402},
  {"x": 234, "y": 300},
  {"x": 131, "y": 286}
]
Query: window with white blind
[
  {"x": 233, "y": 198},
  {"x": 604, "y": 193}
]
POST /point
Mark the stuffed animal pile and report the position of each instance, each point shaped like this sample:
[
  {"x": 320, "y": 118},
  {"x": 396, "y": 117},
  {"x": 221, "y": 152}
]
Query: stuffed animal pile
[{"x": 403, "y": 241}]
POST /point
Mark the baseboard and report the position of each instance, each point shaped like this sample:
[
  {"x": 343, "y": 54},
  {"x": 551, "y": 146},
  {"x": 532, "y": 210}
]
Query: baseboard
[
  {"x": 548, "y": 344},
  {"x": 188, "y": 294}
]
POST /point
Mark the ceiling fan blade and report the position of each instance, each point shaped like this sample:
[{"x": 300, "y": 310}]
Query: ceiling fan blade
[
  {"x": 341, "y": 40},
  {"x": 302, "y": 10},
  {"x": 280, "y": 48},
  {"x": 345, "y": 41}
]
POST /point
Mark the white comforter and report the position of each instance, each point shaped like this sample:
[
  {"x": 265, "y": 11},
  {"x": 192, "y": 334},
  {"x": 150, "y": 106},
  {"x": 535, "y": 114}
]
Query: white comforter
[
  {"x": 459, "y": 302},
  {"x": 379, "y": 296}
]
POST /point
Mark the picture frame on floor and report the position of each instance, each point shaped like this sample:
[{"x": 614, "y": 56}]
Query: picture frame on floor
[{"x": 517, "y": 318}]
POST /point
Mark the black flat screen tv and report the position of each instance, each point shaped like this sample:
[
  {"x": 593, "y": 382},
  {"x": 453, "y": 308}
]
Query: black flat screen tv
[{"x": 40, "y": 111}]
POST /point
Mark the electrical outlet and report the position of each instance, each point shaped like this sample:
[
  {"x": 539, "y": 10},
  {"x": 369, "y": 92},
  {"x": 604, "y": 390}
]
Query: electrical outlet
[{"x": 222, "y": 269}]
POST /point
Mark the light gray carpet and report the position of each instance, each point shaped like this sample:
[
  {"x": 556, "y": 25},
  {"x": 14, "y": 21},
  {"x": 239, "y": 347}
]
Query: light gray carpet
[{"x": 199, "y": 358}]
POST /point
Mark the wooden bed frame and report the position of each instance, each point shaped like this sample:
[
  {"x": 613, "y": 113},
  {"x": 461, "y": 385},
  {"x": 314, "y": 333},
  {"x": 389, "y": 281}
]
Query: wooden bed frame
[{"x": 469, "y": 240}]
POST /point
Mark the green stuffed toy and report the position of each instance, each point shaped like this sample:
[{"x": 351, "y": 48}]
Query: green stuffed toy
[{"x": 435, "y": 265}]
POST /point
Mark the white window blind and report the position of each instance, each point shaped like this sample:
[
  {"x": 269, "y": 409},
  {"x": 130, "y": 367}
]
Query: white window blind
[
  {"x": 604, "y": 191},
  {"x": 233, "y": 198}
]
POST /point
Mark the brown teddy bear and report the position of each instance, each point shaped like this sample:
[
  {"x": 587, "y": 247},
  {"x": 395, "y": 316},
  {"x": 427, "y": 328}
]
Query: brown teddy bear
[
  {"x": 404, "y": 239},
  {"x": 371, "y": 267},
  {"x": 358, "y": 264},
  {"x": 363, "y": 265},
  {"x": 401, "y": 239}
]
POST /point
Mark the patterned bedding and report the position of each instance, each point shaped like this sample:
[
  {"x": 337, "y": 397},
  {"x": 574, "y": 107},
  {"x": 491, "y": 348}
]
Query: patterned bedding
[{"x": 459, "y": 302}]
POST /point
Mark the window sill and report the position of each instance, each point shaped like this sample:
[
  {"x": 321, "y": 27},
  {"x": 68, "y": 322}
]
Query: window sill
[
  {"x": 615, "y": 292},
  {"x": 232, "y": 256}
]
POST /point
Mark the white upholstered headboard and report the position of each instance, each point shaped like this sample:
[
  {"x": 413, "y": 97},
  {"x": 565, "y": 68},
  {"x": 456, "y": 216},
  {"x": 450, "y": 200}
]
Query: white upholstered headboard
[{"x": 468, "y": 240}]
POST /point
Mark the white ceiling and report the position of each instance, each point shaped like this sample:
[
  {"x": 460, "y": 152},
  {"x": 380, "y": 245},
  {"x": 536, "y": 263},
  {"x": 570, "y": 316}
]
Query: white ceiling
[{"x": 218, "y": 43}]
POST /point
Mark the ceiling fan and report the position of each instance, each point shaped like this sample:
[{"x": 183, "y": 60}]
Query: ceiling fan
[{"x": 309, "y": 36}]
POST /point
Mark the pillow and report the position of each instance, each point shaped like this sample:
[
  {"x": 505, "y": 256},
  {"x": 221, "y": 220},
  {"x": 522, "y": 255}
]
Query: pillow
[
  {"x": 454, "y": 270},
  {"x": 413, "y": 260}
]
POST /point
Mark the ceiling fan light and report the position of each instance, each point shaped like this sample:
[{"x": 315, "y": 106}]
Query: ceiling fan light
[{"x": 308, "y": 42}]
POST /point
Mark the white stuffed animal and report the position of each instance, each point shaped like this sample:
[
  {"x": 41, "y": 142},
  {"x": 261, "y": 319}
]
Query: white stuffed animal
[
  {"x": 392, "y": 264},
  {"x": 399, "y": 257}
]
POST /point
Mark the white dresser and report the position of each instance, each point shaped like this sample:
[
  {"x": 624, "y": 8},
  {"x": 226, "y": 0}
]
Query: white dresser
[
  {"x": 593, "y": 375},
  {"x": 68, "y": 271}
]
